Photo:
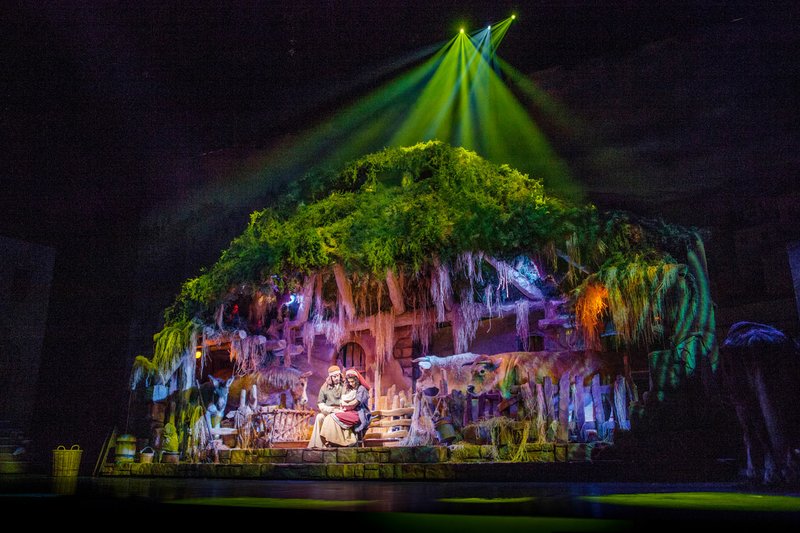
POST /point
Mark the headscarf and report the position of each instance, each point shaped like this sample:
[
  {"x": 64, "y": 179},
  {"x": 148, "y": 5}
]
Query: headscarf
[
  {"x": 334, "y": 369},
  {"x": 356, "y": 373}
]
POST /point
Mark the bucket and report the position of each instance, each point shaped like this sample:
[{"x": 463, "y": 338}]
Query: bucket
[
  {"x": 146, "y": 455},
  {"x": 66, "y": 462},
  {"x": 445, "y": 429},
  {"x": 170, "y": 457},
  {"x": 125, "y": 449}
]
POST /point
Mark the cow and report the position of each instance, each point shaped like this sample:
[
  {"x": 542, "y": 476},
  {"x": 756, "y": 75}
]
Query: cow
[
  {"x": 445, "y": 373},
  {"x": 506, "y": 371},
  {"x": 760, "y": 372},
  {"x": 478, "y": 373}
]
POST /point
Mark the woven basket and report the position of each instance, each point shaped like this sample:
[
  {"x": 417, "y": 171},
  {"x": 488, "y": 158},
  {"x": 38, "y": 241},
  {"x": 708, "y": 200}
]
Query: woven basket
[{"x": 66, "y": 462}]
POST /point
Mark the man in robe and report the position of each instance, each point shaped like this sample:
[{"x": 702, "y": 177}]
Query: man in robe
[{"x": 328, "y": 401}]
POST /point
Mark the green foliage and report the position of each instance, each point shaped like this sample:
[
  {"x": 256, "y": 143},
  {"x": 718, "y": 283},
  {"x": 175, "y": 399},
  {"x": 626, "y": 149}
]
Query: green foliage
[
  {"x": 170, "y": 345},
  {"x": 143, "y": 370},
  {"x": 400, "y": 208}
]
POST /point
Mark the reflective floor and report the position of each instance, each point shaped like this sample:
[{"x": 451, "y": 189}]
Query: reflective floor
[{"x": 400, "y": 506}]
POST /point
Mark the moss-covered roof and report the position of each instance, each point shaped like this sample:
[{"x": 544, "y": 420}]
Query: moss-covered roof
[
  {"x": 410, "y": 229},
  {"x": 401, "y": 208}
]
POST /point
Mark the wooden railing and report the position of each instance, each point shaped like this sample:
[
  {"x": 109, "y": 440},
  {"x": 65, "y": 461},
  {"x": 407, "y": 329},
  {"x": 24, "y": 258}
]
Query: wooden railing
[{"x": 388, "y": 426}]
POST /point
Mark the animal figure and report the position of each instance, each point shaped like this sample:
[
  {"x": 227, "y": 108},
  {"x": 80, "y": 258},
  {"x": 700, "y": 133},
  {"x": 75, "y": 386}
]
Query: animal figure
[
  {"x": 760, "y": 371},
  {"x": 506, "y": 371},
  {"x": 445, "y": 373},
  {"x": 271, "y": 383},
  {"x": 215, "y": 399}
]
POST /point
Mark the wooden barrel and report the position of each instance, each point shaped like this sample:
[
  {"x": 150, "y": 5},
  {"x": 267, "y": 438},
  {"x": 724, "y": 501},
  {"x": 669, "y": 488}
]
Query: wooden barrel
[{"x": 125, "y": 449}]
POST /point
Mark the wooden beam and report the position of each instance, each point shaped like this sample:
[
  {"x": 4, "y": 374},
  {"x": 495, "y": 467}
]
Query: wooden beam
[
  {"x": 412, "y": 317},
  {"x": 305, "y": 305},
  {"x": 569, "y": 260},
  {"x": 395, "y": 294},
  {"x": 345, "y": 291},
  {"x": 519, "y": 281}
]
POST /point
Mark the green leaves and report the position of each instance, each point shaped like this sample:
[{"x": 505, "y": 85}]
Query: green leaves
[
  {"x": 400, "y": 207},
  {"x": 170, "y": 345}
]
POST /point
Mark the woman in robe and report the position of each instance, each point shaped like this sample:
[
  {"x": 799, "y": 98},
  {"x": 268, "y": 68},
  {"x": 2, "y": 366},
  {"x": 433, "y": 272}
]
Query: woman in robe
[{"x": 342, "y": 427}]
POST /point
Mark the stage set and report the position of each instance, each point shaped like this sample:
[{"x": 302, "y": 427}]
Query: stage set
[
  {"x": 486, "y": 320},
  {"x": 482, "y": 315}
]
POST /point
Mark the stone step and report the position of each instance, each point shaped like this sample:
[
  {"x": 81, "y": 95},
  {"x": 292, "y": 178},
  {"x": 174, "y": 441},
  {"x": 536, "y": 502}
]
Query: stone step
[{"x": 13, "y": 467}]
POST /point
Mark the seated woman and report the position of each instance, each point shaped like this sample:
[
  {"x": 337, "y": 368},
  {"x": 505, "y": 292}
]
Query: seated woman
[{"x": 341, "y": 428}]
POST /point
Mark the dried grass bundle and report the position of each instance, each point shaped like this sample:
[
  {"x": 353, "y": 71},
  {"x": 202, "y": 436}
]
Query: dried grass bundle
[
  {"x": 421, "y": 432},
  {"x": 309, "y": 335},
  {"x": 441, "y": 290},
  {"x": 522, "y": 325},
  {"x": 382, "y": 327},
  {"x": 541, "y": 415},
  {"x": 422, "y": 328},
  {"x": 466, "y": 319},
  {"x": 333, "y": 331}
]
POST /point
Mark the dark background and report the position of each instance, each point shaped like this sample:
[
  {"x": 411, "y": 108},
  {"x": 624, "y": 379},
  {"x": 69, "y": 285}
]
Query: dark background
[{"x": 102, "y": 104}]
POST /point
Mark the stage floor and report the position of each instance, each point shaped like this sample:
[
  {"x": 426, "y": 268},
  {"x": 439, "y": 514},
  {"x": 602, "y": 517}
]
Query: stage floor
[{"x": 397, "y": 506}]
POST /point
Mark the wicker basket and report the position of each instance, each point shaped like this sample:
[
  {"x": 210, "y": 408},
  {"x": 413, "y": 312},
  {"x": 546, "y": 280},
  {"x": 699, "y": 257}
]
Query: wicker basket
[{"x": 66, "y": 462}]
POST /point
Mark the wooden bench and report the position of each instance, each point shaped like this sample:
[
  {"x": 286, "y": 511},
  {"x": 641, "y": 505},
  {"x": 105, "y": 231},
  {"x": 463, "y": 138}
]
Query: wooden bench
[{"x": 388, "y": 427}]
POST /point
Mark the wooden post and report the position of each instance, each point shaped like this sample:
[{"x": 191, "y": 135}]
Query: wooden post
[
  {"x": 549, "y": 392},
  {"x": 403, "y": 399},
  {"x": 377, "y": 386},
  {"x": 467, "y": 418},
  {"x": 621, "y": 403},
  {"x": 562, "y": 435},
  {"x": 580, "y": 414},
  {"x": 597, "y": 405},
  {"x": 541, "y": 415},
  {"x": 395, "y": 294}
]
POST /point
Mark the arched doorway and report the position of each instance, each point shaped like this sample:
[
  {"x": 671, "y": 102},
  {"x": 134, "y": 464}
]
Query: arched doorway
[{"x": 352, "y": 355}]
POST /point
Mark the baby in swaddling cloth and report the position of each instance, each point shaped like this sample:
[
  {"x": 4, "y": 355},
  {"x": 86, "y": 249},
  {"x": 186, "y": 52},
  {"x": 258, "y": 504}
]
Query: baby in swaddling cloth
[{"x": 350, "y": 403}]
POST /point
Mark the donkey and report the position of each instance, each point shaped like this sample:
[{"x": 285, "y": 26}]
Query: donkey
[{"x": 214, "y": 395}]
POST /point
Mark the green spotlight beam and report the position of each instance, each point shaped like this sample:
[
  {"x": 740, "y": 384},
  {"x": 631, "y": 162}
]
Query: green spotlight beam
[
  {"x": 556, "y": 112},
  {"x": 468, "y": 60},
  {"x": 510, "y": 136},
  {"x": 427, "y": 119},
  {"x": 498, "y": 32},
  {"x": 455, "y": 96}
]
